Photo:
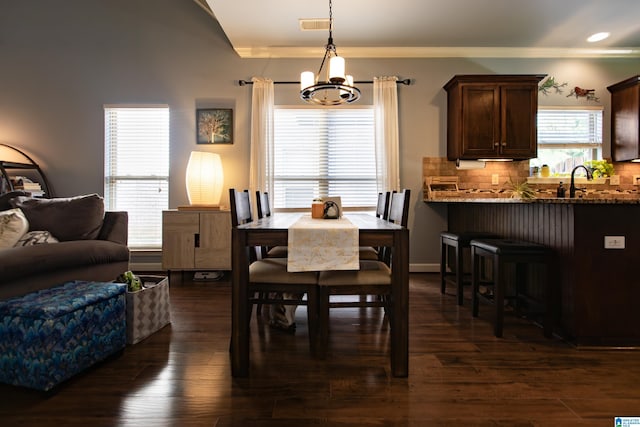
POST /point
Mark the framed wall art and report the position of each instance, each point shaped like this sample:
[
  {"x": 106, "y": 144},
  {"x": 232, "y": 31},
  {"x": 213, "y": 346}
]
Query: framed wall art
[{"x": 214, "y": 126}]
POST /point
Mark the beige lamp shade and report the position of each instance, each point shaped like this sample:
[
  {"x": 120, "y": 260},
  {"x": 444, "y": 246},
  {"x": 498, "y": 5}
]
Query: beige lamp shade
[
  {"x": 307, "y": 79},
  {"x": 336, "y": 69},
  {"x": 204, "y": 179}
]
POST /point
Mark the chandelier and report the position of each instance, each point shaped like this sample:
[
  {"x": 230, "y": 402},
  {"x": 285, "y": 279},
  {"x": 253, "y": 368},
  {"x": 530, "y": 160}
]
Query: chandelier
[{"x": 338, "y": 88}]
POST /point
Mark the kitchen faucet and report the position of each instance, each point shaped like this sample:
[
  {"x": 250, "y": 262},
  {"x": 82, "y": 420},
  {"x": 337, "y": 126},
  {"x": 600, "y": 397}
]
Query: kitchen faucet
[{"x": 572, "y": 187}]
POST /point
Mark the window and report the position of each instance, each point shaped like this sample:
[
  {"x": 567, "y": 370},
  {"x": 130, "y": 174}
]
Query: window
[
  {"x": 324, "y": 152},
  {"x": 568, "y": 137},
  {"x": 137, "y": 169}
]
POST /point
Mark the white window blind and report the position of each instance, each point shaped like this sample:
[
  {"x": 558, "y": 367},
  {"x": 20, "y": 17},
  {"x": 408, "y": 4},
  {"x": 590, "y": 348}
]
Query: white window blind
[
  {"x": 137, "y": 169},
  {"x": 324, "y": 152},
  {"x": 568, "y": 137},
  {"x": 570, "y": 128}
]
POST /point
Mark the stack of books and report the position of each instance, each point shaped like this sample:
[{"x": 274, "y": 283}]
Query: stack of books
[{"x": 28, "y": 186}]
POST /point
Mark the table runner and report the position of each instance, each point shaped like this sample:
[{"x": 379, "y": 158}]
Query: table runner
[{"x": 323, "y": 244}]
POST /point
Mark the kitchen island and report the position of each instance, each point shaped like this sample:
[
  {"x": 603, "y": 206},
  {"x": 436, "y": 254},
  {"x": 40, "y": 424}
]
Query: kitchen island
[{"x": 599, "y": 287}]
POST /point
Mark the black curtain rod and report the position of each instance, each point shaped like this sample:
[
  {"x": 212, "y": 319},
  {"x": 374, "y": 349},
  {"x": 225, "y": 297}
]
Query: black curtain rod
[{"x": 406, "y": 82}]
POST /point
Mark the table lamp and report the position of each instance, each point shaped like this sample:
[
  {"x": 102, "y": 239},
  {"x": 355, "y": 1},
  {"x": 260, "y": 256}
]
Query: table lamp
[{"x": 204, "y": 180}]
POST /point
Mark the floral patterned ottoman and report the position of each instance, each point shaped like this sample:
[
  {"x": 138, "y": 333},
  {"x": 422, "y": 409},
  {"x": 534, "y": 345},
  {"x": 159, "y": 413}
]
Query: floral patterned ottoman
[{"x": 48, "y": 336}]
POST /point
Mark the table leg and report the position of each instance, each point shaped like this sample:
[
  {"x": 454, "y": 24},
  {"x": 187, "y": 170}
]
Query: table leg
[
  {"x": 239, "y": 348},
  {"x": 400, "y": 301}
]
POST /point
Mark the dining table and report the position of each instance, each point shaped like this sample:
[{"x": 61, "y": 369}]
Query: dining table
[{"x": 274, "y": 231}]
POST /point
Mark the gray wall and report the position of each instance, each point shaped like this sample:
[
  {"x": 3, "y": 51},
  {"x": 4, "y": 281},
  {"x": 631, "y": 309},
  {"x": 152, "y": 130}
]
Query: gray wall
[{"x": 61, "y": 61}]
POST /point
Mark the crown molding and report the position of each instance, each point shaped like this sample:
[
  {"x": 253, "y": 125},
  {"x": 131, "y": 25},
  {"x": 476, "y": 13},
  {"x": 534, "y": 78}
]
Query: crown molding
[{"x": 437, "y": 52}]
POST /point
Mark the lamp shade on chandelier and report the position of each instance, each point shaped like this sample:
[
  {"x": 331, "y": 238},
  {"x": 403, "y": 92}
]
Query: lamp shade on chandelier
[
  {"x": 204, "y": 179},
  {"x": 337, "y": 87}
]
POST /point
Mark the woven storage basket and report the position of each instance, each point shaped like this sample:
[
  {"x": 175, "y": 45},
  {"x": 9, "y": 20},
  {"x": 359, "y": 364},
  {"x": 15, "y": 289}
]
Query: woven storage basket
[{"x": 148, "y": 310}]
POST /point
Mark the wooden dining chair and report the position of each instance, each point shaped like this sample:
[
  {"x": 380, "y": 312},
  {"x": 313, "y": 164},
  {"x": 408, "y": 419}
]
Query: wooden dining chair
[
  {"x": 264, "y": 210},
  {"x": 270, "y": 275},
  {"x": 373, "y": 279},
  {"x": 382, "y": 211}
]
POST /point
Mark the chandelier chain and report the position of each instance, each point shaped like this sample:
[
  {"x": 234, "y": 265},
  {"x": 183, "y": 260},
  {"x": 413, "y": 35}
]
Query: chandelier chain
[{"x": 330, "y": 45}]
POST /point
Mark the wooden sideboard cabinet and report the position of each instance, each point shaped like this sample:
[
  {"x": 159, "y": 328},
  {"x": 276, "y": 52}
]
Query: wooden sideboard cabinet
[
  {"x": 195, "y": 241},
  {"x": 625, "y": 119},
  {"x": 492, "y": 116}
]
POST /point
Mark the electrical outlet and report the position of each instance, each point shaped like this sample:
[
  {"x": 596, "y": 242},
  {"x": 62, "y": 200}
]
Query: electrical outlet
[
  {"x": 614, "y": 242},
  {"x": 614, "y": 180},
  {"x": 495, "y": 179},
  {"x": 636, "y": 179}
]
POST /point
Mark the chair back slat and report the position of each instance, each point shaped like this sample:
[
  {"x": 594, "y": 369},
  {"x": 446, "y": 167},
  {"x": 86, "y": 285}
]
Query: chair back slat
[
  {"x": 262, "y": 204},
  {"x": 240, "y": 204},
  {"x": 398, "y": 214},
  {"x": 240, "y": 207},
  {"x": 382, "y": 209},
  {"x": 399, "y": 209},
  {"x": 264, "y": 210}
]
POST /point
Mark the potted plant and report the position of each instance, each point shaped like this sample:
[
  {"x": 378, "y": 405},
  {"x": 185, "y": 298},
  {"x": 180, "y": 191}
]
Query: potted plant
[
  {"x": 600, "y": 168},
  {"x": 521, "y": 189}
]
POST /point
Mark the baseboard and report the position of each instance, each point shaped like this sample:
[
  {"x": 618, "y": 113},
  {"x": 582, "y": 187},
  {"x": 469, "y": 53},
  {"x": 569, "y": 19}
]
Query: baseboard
[{"x": 145, "y": 266}]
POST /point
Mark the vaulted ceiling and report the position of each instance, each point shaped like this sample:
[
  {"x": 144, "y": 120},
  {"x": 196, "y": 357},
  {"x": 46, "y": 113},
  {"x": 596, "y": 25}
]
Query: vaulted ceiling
[{"x": 432, "y": 28}]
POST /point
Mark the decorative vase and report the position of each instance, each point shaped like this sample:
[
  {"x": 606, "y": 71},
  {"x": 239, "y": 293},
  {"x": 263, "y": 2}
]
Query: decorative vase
[
  {"x": 545, "y": 171},
  {"x": 317, "y": 208}
]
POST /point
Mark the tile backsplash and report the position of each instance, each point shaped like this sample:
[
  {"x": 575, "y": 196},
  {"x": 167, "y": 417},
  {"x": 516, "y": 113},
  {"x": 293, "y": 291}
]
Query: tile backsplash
[
  {"x": 477, "y": 178},
  {"x": 518, "y": 171}
]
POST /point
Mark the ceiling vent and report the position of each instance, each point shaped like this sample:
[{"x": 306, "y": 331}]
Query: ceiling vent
[{"x": 314, "y": 24}]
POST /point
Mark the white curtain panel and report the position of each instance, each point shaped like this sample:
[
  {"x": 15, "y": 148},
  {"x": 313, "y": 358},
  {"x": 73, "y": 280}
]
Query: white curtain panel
[
  {"x": 261, "y": 165},
  {"x": 385, "y": 104}
]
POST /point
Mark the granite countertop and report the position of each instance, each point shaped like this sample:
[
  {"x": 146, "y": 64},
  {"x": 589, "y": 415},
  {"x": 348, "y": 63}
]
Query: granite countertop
[
  {"x": 500, "y": 196},
  {"x": 536, "y": 200}
]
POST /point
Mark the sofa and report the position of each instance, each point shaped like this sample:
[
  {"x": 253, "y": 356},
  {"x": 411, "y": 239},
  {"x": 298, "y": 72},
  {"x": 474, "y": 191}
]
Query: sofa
[{"x": 48, "y": 242}]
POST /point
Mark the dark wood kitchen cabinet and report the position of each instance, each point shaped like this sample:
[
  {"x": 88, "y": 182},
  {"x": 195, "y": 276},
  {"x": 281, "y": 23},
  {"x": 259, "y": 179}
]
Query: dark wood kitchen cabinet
[
  {"x": 492, "y": 116},
  {"x": 625, "y": 119}
]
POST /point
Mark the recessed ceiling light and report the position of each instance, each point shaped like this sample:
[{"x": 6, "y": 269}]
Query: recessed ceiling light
[{"x": 597, "y": 37}]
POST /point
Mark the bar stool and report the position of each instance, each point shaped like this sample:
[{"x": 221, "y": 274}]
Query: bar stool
[
  {"x": 459, "y": 241},
  {"x": 522, "y": 254}
]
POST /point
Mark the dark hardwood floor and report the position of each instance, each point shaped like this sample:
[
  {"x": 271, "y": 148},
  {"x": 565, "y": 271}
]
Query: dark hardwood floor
[{"x": 460, "y": 375}]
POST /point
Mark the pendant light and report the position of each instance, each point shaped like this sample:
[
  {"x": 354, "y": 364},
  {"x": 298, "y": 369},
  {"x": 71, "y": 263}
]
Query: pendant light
[{"x": 338, "y": 87}]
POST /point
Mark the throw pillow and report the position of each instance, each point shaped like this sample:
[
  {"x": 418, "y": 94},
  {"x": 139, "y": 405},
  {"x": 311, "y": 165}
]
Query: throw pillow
[
  {"x": 6, "y": 197},
  {"x": 72, "y": 218},
  {"x": 36, "y": 238},
  {"x": 13, "y": 225}
]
